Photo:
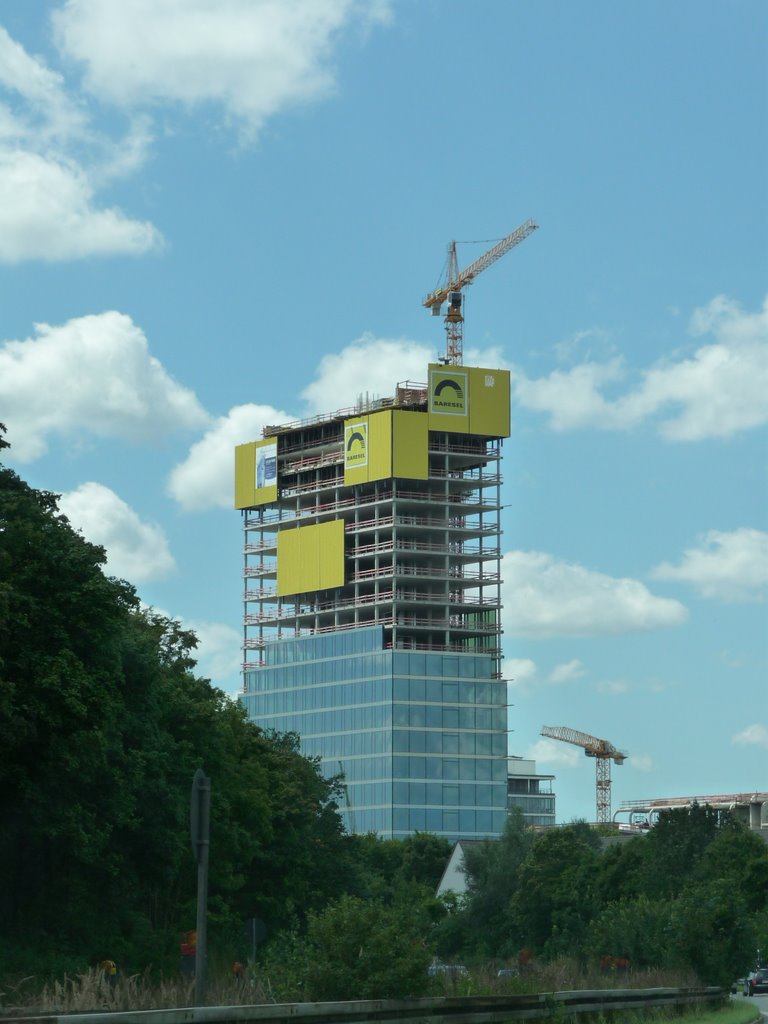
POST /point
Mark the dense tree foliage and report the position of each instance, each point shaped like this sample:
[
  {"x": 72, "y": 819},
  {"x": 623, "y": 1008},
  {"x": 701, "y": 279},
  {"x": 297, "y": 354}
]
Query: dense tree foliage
[
  {"x": 691, "y": 894},
  {"x": 102, "y": 724},
  {"x": 366, "y": 949}
]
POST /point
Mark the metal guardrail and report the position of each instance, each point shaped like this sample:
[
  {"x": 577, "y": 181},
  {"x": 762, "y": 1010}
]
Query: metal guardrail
[{"x": 435, "y": 1010}]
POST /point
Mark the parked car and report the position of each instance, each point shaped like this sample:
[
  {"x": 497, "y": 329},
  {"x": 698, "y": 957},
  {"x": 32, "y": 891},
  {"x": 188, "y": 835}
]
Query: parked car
[
  {"x": 453, "y": 970},
  {"x": 508, "y": 972},
  {"x": 756, "y": 981}
]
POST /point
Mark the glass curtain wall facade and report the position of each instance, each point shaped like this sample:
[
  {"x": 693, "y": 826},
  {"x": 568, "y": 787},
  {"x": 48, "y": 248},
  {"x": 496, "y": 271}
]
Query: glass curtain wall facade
[
  {"x": 531, "y": 792},
  {"x": 372, "y": 599}
]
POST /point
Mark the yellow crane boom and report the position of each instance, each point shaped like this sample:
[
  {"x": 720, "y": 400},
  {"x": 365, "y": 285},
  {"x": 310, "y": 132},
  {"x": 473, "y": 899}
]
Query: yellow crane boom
[
  {"x": 603, "y": 752},
  {"x": 457, "y": 279}
]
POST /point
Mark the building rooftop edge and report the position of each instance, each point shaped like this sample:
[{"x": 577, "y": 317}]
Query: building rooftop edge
[{"x": 408, "y": 396}]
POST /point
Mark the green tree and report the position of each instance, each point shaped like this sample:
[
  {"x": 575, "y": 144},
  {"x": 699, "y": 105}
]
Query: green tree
[
  {"x": 424, "y": 859},
  {"x": 677, "y": 843},
  {"x": 713, "y": 933},
  {"x": 492, "y": 870},
  {"x": 367, "y": 950},
  {"x": 741, "y": 857},
  {"x": 103, "y": 723},
  {"x": 636, "y": 928},
  {"x": 554, "y": 901},
  {"x": 621, "y": 871}
]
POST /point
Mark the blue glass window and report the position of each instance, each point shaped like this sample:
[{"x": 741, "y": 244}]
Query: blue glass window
[
  {"x": 417, "y": 793},
  {"x": 418, "y": 819},
  {"x": 467, "y": 820},
  {"x": 434, "y": 717},
  {"x": 434, "y": 793},
  {"x": 450, "y": 796},
  {"x": 450, "y": 665},
  {"x": 400, "y": 689},
  {"x": 450, "y": 743},
  {"x": 483, "y": 821},
  {"x": 417, "y": 690},
  {"x": 484, "y": 718},
  {"x": 418, "y": 744},
  {"x": 467, "y": 718},
  {"x": 417, "y": 716},
  {"x": 399, "y": 714},
  {"x": 434, "y": 820},
  {"x": 434, "y": 742},
  {"x": 483, "y": 795},
  {"x": 400, "y": 739},
  {"x": 434, "y": 691}
]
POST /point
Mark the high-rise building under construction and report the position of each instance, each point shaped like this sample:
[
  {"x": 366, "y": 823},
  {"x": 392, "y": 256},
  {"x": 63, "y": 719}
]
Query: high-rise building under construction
[{"x": 372, "y": 600}]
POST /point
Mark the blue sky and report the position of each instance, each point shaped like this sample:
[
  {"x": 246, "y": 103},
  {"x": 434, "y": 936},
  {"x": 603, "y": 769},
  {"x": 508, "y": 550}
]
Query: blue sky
[{"x": 216, "y": 214}]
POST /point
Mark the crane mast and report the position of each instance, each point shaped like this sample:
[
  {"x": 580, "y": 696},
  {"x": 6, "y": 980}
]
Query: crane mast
[
  {"x": 457, "y": 279},
  {"x": 603, "y": 752}
]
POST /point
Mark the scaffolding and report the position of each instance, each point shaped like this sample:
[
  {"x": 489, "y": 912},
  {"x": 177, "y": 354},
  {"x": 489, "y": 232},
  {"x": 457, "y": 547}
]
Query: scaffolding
[{"x": 421, "y": 557}]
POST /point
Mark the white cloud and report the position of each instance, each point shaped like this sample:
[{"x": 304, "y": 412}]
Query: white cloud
[
  {"x": 755, "y": 735},
  {"x": 612, "y": 687},
  {"x": 371, "y": 367},
  {"x": 219, "y": 654},
  {"x": 205, "y": 479},
  {"x": 544, "y": 597},
  {"x": 642, "y": 762},
  {"x": 519, "y": 672},
  {"x": 553, "y": 752},
  {"x": 728, "y": 566},
  {"x": 41, "y": 91},
  {"x": 136, "y": 551},
  {"x": 254, "y": 58},
  {"x": 48, "y": 207},
  {"x": 47, "y": 213},
  {"x": 718, "y": 391},
  {"x": 523, "y": 674},
  {"x": 117, "y": 390},
  {"x": 572, "y": 398},
  {"x": 567, "y": 672}
]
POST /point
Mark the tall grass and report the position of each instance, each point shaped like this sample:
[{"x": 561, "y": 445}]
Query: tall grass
[{"x": 90, "y": 991}]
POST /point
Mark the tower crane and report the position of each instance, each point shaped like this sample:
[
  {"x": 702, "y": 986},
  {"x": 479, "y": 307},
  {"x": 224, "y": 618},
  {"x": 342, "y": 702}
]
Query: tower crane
[
  {"x": 456, "y": 280},
  {"x": 603, "y": 752}
]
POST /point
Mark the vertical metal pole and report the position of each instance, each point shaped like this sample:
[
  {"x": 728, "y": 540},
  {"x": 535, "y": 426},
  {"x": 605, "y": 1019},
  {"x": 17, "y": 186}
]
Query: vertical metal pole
[{"x": 202, "y": 791}]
